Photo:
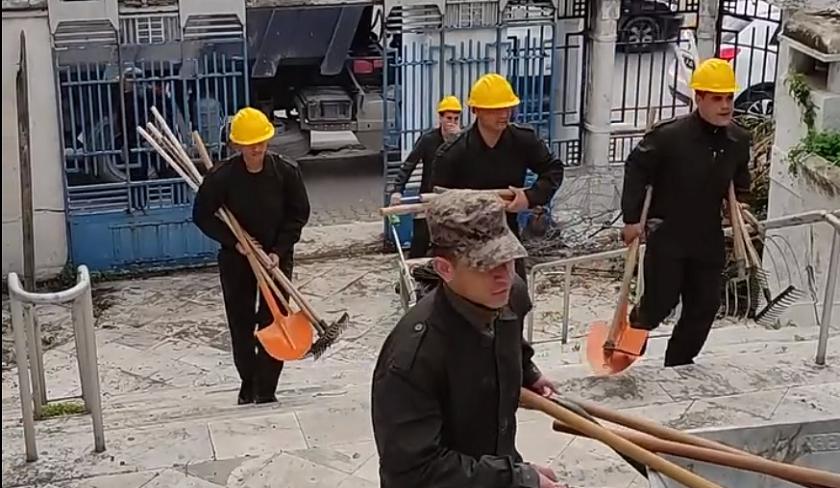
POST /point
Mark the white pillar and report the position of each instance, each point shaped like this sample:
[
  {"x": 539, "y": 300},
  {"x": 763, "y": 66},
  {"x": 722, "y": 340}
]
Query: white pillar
[
  {"x": 707, "y": 19},
  {"x": 596, "y": 117}
]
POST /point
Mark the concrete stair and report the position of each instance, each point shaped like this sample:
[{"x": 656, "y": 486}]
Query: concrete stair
[{"x": 326, "y": 403}]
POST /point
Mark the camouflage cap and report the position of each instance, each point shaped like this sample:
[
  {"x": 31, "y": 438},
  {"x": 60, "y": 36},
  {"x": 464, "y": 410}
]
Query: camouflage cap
[{"x": 472, "y": 225}]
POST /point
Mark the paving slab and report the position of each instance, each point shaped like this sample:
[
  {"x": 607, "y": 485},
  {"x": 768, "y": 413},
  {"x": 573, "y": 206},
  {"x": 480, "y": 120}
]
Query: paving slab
[
  {"x": 169, "y": 388},
  {"x": 256, "y": 436}
]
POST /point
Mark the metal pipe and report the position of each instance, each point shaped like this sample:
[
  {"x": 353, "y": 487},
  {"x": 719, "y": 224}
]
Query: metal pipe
[
  {"x": 36, "y": 361},
  {"x": 83, "y": 321},
  {"x": 567, "y": 289},
  {"x": 48, "y": 298},
  {"x": 22, "y": 359},
  {"x": 830, "y": 286},
  {"x": 94, "y": 400},
  {"x": 805, "y": 218}
]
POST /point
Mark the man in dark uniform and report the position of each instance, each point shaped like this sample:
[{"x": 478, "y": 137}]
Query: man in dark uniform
[
  {"x": 447, "y": 381},
  {"x": 266, "y": 194},
  {"x": 495, "y": 154},
  {"x": 690, "y": 162},
  {"x": 449, "y": 118}
]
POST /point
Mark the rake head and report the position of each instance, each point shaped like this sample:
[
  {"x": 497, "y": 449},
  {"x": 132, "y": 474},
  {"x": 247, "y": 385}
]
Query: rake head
[
  {"x": 330, "y": 335},
  {"x": 776, "y": 306}
]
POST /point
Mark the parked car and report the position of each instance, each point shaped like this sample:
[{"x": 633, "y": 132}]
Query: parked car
[
  {"x": 645, "y": 24},
  {"x": 751, "y": 44}
]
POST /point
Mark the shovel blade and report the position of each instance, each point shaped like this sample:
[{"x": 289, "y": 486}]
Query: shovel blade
[
  {"x": 275, "y": 338},
  {"x": 606, "y": 361}
]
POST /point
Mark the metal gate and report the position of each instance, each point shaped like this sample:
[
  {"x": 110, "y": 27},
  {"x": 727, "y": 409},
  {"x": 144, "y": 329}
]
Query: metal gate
[
  {"x": 748, "y": 33},
  {"x": 438, "y": 49},
  {"x": 126, "y": 208}
]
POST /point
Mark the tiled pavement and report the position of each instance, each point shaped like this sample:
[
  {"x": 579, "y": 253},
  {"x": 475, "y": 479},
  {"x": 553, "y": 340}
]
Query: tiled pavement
[{"x": 169, "y": 388}]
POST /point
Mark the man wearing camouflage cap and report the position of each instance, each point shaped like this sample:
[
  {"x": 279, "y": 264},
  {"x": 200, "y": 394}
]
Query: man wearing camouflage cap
[{"x": 446, "y": 384}]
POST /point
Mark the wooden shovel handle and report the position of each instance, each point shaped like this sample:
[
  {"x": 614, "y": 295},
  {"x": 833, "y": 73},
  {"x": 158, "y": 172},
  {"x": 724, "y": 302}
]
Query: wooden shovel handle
[
  {"x": 263, "y": 257},
  {"x": 629, "y": 267},
  {"x": 533, "y": 401},
  {"x": 789, "y": 472},
  {"x": 737, "y": 237}
]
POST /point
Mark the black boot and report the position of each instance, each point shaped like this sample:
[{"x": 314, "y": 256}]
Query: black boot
[
  {"x": 265, "y": 399},
  {"x": 246, "y": 393}
]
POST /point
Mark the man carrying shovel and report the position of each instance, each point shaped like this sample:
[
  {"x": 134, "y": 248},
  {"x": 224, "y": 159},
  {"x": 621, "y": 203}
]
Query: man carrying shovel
[
  {"x": 495, "y": 154},
  {"x": 449, "y": 119},
  {"x": 266, "y": 194},
  {"x": 447, "y": 381},
  {"x": 690, "y": 162}
]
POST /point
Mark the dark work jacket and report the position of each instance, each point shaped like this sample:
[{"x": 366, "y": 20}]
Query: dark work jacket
[
  {"x": 423, "y": 152},
  {"x": 272, "y": 205},
  {"x": 690, "y": 164},
  {"x": 445, "y": 394},
  {"x": 469, "y": 163}
]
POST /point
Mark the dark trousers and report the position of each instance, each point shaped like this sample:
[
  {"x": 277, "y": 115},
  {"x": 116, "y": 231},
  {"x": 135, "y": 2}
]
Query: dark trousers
[
  {"x": 258, "y": 371},
  {"x": 419, "y": 239},
  {"x": 669, "y": 279}
]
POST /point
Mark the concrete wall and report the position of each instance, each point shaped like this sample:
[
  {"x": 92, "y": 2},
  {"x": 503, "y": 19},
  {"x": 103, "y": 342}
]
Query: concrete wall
[
  {"x": 809, "y": 245},
  {"x": 48, "y": 193}
]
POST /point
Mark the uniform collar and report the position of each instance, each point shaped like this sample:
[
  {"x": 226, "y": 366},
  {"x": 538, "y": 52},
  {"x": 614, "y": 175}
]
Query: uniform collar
[
  {"x": 475, "y": 135},
  {"x": 713, "y": 130},
  {"x": 478, "y": 316}
]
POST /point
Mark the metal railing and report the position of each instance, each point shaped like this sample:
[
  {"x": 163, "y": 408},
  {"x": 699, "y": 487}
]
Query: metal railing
[
  {"x": 30, "y": 361},
  {"x": 830, "y": 217}
]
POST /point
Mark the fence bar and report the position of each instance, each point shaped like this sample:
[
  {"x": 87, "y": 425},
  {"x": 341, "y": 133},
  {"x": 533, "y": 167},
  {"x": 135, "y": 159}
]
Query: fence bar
[
  {"x": 830, "y": 287},
  {"x": 28, "y": 361}
]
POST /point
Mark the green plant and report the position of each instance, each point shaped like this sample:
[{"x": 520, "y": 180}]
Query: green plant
[
  {"x": 60, "y": 409},
  {"x": 825, "y": 144},
  {"x": 801, "y": 93}
]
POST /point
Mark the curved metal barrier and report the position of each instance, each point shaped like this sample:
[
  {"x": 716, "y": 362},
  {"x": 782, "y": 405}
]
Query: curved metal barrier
[
  {"x": 831, "y": 218},
  {"x": 30, "y": 361}
]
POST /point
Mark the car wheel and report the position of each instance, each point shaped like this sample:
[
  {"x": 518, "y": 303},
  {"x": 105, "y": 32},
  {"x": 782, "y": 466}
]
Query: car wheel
[
  {"x": 640, "y": 34},
  {"x": 756, "y": 101}
]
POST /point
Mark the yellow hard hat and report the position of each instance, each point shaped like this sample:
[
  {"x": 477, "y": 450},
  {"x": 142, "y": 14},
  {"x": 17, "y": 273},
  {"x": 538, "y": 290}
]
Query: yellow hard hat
[
  {"x": 714, "y": 75},
  {"x": 449, "y": 104},
  {"x": 492, "y": 91},
  {"x": 250, "y": 126}
]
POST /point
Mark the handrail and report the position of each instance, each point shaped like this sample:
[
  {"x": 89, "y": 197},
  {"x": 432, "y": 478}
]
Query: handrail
[
  {"x": 830, "y": 217},
  {"x": 64, "y": 296},
  {"x": 30, "y": 363}
]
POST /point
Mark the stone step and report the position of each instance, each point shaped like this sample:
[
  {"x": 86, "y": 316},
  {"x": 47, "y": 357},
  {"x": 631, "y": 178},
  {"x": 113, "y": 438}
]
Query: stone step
[{"x": 330, "y": 406}]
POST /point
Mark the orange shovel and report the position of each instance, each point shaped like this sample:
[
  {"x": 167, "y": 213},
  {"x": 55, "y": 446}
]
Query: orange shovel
[
  {"x": 288, "y": 337},
  {"x": 612, "y": 348}
]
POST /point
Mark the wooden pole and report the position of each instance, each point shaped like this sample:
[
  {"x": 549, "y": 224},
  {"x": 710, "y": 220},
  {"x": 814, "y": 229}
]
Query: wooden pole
[
  {"x": 25, "y": 165},
  {"x": 531, "y": 400}
]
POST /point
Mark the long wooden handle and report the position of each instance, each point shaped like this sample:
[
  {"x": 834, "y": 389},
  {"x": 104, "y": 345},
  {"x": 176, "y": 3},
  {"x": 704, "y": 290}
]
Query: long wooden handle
[
  {"x": 276, "y": 273},
  {"x": 650, "y": 427},
  {"x": 629, "y": 267},
  {"x": 531, "y": 400},
  {"x": 796, "y": 474},
  {"x": 738, "y": 245},
  {"x": 751, "y": 253}
]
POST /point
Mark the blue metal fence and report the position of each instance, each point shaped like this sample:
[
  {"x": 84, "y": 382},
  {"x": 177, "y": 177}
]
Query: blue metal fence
[{"x": 126, "y": 208}]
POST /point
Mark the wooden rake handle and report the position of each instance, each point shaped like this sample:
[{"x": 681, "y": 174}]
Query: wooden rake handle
[
  {"x": 533, "y": 401},
  {"x": 276, "y": 273}
]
